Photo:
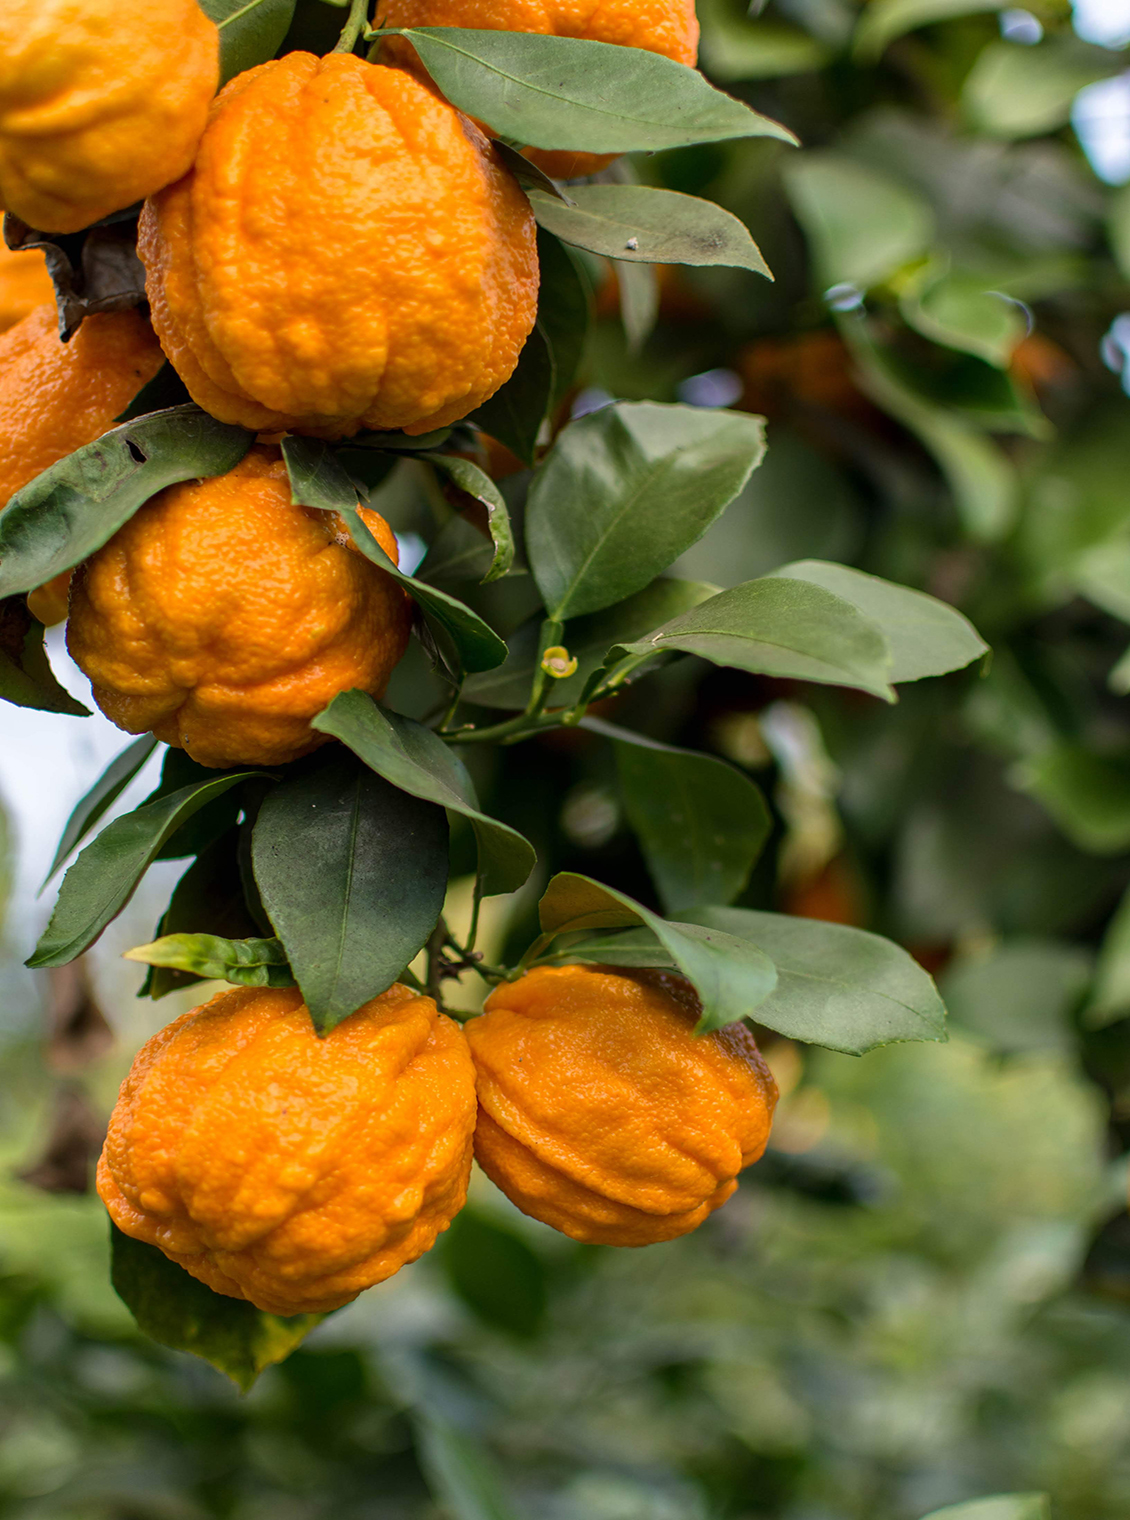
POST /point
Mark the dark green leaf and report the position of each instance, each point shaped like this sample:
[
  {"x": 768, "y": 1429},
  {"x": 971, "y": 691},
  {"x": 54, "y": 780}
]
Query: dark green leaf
[
  {"x": 624, "y": 491},
  {"x": 700, "y": 823},
  {"x": 494, "y": 1272},
  {"x": 165, "y": 390},
  {"x": 176, "y": 1310},
  {"x": 244, "y": 962},
  {"x": 352, "y": 873},
  {"x": 412, "y": 758},
  {"x": 251, "y": 31},
  {"x": 842, "y": 988},
  {"x": 863, "y": 224},
  {"x": 731, "y": 976},
  {"x": 563, "y": 92},
  {"x": 318, "y": 480},
  {"x": 779, "y": 628},
  {"x": 997, "y": 1507},
  {"x": 26, "y": 678},
  {"x": 104, "y": 877},
  {"x": 1110, "y": 996},
  {"x": 884, "y": 20},
  {"x": 1087, "y": 794},
  {"x": 73, "y": 508},
  {"x": 638, "y": 224},
  {"x": 515, "y": 413},
  {"x": 475, "y": 482},
  {"x": 565, "y": 306},
  {"x": 926, "y": 637},
  {"x": 460, "y": 1474},
  {"x": 1021, "y": 996},
  {"x": 638, "y": 286},
  {"x": 102, "y": 795}
]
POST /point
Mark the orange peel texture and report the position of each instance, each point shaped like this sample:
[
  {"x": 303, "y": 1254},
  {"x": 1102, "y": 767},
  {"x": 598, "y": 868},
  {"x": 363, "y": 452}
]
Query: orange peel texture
[
  {"x": 222, "y": 617},
  {"x": 669, "y": 27},
  {"x": 285, "y": 1169},
  {"x": 24, "y": 284},
  {"x": 55, "y": 397},
  {"x": 101, "y": 103},
  {"x": 347, "y": 252},
  {"x": 602, "y": 1114}
]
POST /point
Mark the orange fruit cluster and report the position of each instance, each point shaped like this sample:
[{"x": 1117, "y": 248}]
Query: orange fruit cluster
[{"x": 294, "y": 1172}]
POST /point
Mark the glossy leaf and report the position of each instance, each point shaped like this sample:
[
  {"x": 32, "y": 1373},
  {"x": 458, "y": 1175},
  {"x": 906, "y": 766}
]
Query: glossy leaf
[
  {"x": 731, "y": 976},
  {"x": 412, "y": 758},
  {"x": 638, "y": 224},
  {"x": 101, "y": 796},
  {"x": 251, "y": 31},
  {"x": 26, "y": 677},
  {"x": 478, "y": 484},
  {"x": 778, "y": 627},
  {"x": 638, "y": 286},
  {"x": 74, "y": 507},
  {"x": 592, "y": 97},
  {"x": 460, "y": 1474},
  {"x": 317, "y": 479},
  {"x": 701, "y": 823},
  {"x": 352, "y": 873},
  {"x": 624, "y": 491},
  {"x": 515, "y": 413},
  {"x": 862, "y": 223},
  {"x": 1017, "y": 91},
  {"x": 244, "y": 962},
  {"x": 839, "y": 987},
  {"x": 926, "y": 637},
  {"x": 177, "y": 1310},
  {"x": 565, "y": 308},
  {"x": 105, "y": 876},
  {"x": 494, "y": 1272},
  {"x": 962, "y": 311},
  {"x": 588, "y": 639}
]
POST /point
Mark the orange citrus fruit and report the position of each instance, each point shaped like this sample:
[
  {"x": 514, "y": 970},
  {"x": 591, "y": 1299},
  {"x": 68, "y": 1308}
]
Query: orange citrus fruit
[
  {"x": 669, "y": 27},
  {"x": 24, "y": 284},
  {"x": 285, "y": 1169},
  {"x": 222, "y": 617},
  {"x": 602, "y": 1114},
  {"x": 347, "y": 252},
  {"x": 101, "y": 103},
  {"x": 55, "y": 397}
]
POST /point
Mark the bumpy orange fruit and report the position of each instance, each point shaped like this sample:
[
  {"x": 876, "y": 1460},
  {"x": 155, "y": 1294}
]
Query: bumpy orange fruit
[
  {"x": 669, "y": 27},
  {"x": 601, "y": 1113},
  {"x": 55, "y": 397},
  {"x": 347, "y": 252},
  {"x": 286, "y": 1169},
  {"x": 24, "y": 285},
  {"x": 221, "y": 617},
  {"x": 101, "y": 103}
]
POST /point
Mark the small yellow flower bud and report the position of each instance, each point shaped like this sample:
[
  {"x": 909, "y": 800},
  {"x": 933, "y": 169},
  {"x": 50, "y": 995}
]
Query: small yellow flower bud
[{"x": 558, "y": 662}]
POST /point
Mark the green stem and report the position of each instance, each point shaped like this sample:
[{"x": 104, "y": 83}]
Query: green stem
[
  {"x": 476, "y": 904},
  {"x": 357, "y": 23}
]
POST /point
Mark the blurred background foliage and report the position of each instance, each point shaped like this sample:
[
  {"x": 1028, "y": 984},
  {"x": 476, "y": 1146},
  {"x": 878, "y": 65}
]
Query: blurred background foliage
[{"x": 920, "y": 1295}]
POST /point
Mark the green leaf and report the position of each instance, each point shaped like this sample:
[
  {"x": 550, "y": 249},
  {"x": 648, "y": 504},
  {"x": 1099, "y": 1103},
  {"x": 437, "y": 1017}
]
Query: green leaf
[
  {"x": 1021, "y": 996},
  {"x": 635, "y": 223},
  {"x": 26, "y": 677},
  {"x": 461, "y": 1475},
  {"x": 591, "y": 97},
  {"x": 638, "y": 286},
  {"x": 317, "y": 479},
  {"x": 1088, "y": 795},
  {"x": 624, "y": 491},
  {"x": 352, "y": 872},
  {"x": 999, "y": 1507},
  {"x": 700, "y": 822},
  {"x": 74, "y": 507},
  {"x": 839, "y": 987},
  {"x": 515, "y": 413},
  {"x": 477, "y": 483},
  {"x": 494, "y": 1272},
  {"x": 1017, "y": 91},
  {"x": 884, "y": 20},
  {"x": 926, "y": 637},
  {"x": 734, "y": 47},
  {"x": 244, "y": 962},
  {"x": 101, "y": 796},
  {"x": 587, "y": 638},
  {"x": 176, "y": 1310},
  {"x": 777, "y": 627},
  {"x": 251, "y": 31},
  {"x": 862, "y": 223},
  {"x": 959, "y": 310},
  {"x": 1110, "y": 995},
  {"x": 565, "y": 309},
  {"x": 105, "y": 876},
  {"x": 412, "y": 758},
  {"x": 731, "y": 976}
]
